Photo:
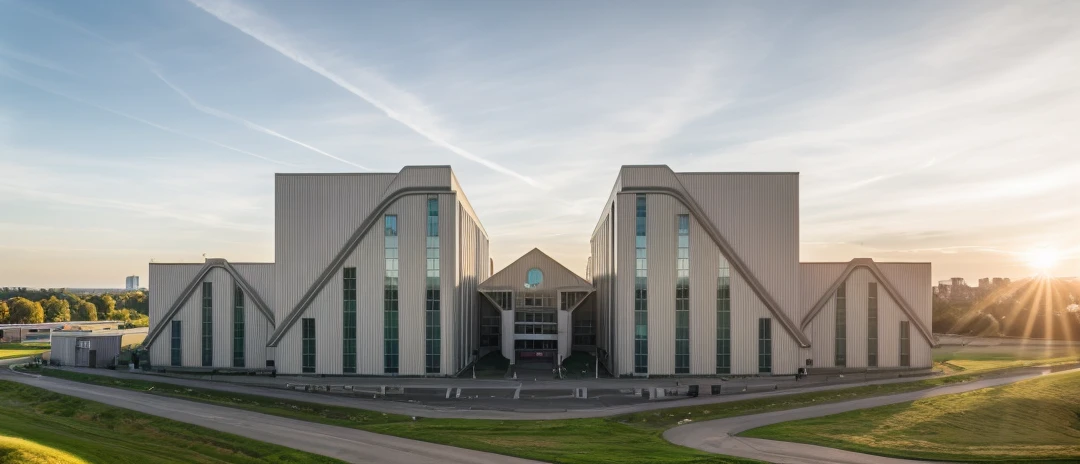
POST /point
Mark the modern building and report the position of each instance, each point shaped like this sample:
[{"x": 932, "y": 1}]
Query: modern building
[
  {"x": 374, "y": 274},
  {"x": 131, "y": 283},
  {"x": 689, "y": 274},
  {"x": 699, "y": 273}
]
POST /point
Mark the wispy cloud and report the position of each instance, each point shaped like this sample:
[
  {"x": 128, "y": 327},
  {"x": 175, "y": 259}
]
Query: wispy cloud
[
  {"x": 231, "y": 117},
  {"x": 266, "y": 32},
  {"x": 32, "y": 83},
  {"x": 34, "y": 60}
]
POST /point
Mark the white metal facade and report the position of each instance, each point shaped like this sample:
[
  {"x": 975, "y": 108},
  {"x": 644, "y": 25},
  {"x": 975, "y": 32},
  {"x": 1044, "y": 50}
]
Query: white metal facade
[
  {"x": 325, "y": 223},
  {"x": 756, "y": 216}
]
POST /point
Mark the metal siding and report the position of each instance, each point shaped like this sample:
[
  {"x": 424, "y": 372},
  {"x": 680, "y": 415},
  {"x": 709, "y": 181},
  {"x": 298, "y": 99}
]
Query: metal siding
[
  {"x": 512, "y": 277},
  {"x": 453, "y": 231},
  {"x": 412, "y": 246},
  {"x": 661, "y": 237},
  {"x": 758, "y": 214},
  {"x": 814, "y": 280},
  {"x": 107, "y": 349},
  {"x": 257, "y": 327},
  {"x": 704, "y": 272},
  {"x": 314, "y": 215},
  {"x": 602, "y": 274},
  {"x": 369, "y": 261},
  {"x": 167, "y": 281},
  {"x": 623, "y": 344},
  {"x": 63, "y": 350}
]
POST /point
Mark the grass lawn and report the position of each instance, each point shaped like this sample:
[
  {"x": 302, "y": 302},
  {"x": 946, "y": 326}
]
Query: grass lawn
[
  {"x": 19, "y": 350},
  {"x": 1037, "y": 419},
  {"x": 631, "y": 438},
  {"x": 94, "y": 432},
  {"x": 978, "y": 358}
]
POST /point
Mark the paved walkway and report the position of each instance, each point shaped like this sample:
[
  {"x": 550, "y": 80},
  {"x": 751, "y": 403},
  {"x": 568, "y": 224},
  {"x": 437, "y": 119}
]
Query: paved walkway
[
  {"x": 337, "y": 442},
  {"x": 532, "y": 410},
  {"x": 718, "y": 436}
]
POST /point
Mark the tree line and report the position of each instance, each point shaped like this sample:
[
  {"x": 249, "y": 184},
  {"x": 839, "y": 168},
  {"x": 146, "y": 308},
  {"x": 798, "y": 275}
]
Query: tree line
[{"x": 30, "y": 306}]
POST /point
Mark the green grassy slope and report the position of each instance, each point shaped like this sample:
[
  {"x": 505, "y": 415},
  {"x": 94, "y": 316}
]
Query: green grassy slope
[
  {"x": 95, "y": 432},
  {"x": 1037, "y": 419}
]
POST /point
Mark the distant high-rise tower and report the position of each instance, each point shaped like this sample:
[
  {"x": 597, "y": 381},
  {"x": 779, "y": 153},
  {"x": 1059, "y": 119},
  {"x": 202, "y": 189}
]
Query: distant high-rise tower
[{"x": 131, "y": 283}]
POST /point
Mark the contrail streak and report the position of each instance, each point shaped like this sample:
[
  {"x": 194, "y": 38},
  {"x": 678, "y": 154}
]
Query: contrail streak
[
  {"x": 137, "y": 119},
  {"x": 244, "y": 122},
  {"x": 235, "y": 16}
]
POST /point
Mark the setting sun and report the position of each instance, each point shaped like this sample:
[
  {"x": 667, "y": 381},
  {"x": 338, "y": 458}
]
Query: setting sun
[{"x": 1043, "y": 259}]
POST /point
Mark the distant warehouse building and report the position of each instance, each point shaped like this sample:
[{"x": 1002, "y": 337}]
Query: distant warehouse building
[
  {"x": 84, "y": 348},
  {"x": 689, "y": 274}
]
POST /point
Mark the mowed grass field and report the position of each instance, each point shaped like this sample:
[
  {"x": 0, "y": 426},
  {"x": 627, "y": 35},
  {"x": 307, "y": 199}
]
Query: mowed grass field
[
  {"x": 18, "y": 350},
  {"x": 56, "y": 428},
  {"x": 1032, "y": 420},
  {"x": 978, "y": 358}
]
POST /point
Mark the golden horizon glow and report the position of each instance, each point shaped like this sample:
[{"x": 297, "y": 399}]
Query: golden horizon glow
[{"x": 1043, "y": 259}]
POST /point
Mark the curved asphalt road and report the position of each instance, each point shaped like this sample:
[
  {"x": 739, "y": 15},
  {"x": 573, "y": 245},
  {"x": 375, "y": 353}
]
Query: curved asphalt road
[
  {"x": 337, "y": 442},
  {"x": 718, "y": 436}
]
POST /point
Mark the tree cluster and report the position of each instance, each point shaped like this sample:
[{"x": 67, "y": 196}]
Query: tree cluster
[{"x": 29, "y": 306}]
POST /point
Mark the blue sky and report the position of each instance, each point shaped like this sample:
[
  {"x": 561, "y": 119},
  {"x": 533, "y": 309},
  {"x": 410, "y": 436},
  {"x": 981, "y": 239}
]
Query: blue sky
[{"x": 923, "y": 131}]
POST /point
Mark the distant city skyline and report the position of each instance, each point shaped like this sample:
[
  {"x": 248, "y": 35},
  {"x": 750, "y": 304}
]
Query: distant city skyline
[{"x": 939, "y": 132}]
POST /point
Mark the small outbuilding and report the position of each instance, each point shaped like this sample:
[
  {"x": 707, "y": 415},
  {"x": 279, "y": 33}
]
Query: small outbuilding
[{"x": 85, "y": 348}]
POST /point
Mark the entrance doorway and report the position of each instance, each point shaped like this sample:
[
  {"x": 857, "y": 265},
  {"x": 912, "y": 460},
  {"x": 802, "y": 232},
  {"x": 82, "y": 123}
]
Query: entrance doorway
[{"x": 536, "y": 354}]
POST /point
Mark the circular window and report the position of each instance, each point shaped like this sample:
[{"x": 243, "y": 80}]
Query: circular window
[{"x": 534, "y": 278}]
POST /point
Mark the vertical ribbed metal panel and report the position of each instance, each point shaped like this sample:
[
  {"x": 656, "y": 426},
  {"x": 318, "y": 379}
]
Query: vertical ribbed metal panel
[
  {"x": 369, "y": 259},
  {"x": 623, "y": 352},
  {"x": 704, "y": 272},
  {"x": 814, "y": 280},
  {"x": 412, "y": 226},
  {"x": 453, "y": 246},
  {"x": 107, "y": 349},
  {"x": 602, "y": 274},
  {"x": 221, "y": 316},
  {"x": 758, "y": 214},
  {"x": 257, "y": 327},
  {"x": 190, "y": 317},
  {"x": 63, "y": 350},
  {"x": 661, "y": 245},
  {"x": 314, "y": 215},
  {"x": 167, "y": 281},
  {"x": 564, "y": 332},
  {"x": 907, "y": 278},
  {"x": 507, "y": 336}
]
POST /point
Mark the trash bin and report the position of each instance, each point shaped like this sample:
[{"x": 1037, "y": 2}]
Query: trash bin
[
  {"x": 645, "y": 392},
  {"x": 716, "y": 389},
  {"x": 693, "y": 391}
]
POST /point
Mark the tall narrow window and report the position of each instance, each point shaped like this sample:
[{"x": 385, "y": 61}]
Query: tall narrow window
[
  {"x": 905, "y": 344},
  {"x": 641, "y": 293},
  {"x": 433, "y": 338},
  {"x": 174, "y": 349},
  {"x": 207, "y": 324},
  {"x": 723, "y": 318},
  {"x": 682, "y": 296},
  {"x": 871, "y": 325},
  {"x": 307, "y": 332},
  {"x": 841, "y": 326},
  {"x": 390, "y": 298},
  {"x": 764, "y": 347},
  {"x": 348, "y": 320},
  {"x": 238, "y": 328}
]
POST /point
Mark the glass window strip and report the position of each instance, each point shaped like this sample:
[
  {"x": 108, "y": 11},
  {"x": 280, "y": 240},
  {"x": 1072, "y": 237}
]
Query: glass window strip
[
  {"x": 207, "y": 324},
  {"x": 390, "y": 297},
  {"x": 238, "y": 327},
  {"x": 682, "y": 295},
  {"x": 905, "y": 344},
  {"x": 765, "y": 345},
  {"x": 307, "y": 342},
  {"x": 840, "y": 358},
  {"x": 433, "y": 329},
  {"x": 176, "y": 344},
  {"x": 872, "y": 325},
  {"x": 723, "y": 318},
  {"x": 641, "y": 285},
  {"x": 348, "y": 346}
]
